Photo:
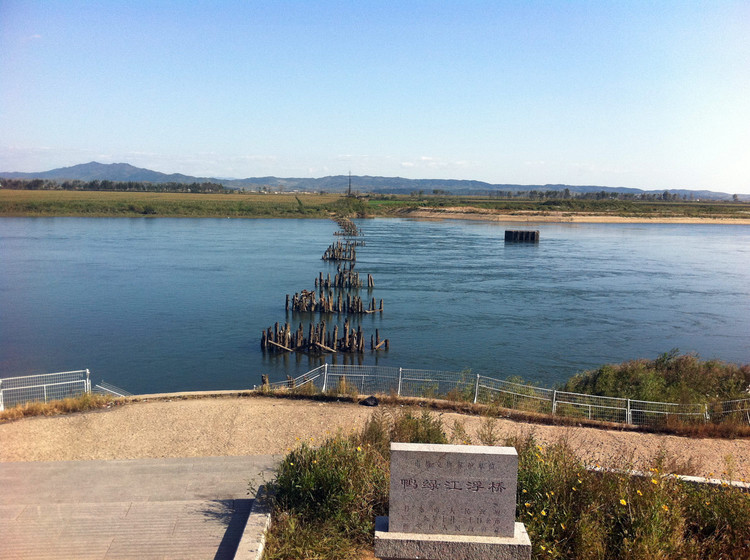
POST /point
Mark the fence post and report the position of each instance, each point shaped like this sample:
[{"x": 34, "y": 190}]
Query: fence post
[
  {"x": 628, "y": 414},
  {"x": 707, "y": 415},
  {"x": 554, "y": 402},
  {"x": 476, "y": 390},
  {"x": 45, "y": 393},
  {"x": 2, "y": 407},
  {"x": 88, "y": 381},
  {"x": 400, "y": 376},
  {"x": 325, "y": 377}
]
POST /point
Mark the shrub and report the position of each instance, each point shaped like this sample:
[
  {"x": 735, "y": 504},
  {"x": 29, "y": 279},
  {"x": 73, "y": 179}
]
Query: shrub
[
  {"x": 328, "y": 498},
  {"x": 670, "y": 377}
]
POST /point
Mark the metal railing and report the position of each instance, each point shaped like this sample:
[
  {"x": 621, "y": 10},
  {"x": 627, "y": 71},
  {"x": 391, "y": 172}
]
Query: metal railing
[
  {"x": 103, "y": 388},
  {"x": 44, "y": 387},
  {"x": 352, "y": 379}
]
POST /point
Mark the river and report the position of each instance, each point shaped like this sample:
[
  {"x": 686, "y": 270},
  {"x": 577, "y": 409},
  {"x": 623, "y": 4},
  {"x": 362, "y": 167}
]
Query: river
[{"x": 179, "y": 304}]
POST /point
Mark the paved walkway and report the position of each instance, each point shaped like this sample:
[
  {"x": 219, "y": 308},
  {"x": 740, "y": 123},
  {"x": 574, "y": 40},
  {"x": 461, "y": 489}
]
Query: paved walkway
[{"x": 139, "y": 509}]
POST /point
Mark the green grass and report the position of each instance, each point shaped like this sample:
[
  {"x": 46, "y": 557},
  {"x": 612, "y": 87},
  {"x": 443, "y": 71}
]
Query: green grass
[
  {"x": 127, "y": 204},
  {"x": 327, "y": 499}
]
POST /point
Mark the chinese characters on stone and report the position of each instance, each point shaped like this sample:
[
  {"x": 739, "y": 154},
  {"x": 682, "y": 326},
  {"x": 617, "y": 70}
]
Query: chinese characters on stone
[{"x": 492, "y": 486}]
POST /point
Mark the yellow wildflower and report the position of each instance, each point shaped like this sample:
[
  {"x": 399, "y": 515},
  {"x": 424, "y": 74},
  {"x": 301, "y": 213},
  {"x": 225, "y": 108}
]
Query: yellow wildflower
[
  {"x": 654, "y": 481},
  {"x": 544, "y": 512},
  {"x": 623, "y": 502},
  {"x": 639, "y": 492},
  {"x": 527, "y": 504},
  {"x": 562, "y": 525},
  {"x": 665, "y": 507}
]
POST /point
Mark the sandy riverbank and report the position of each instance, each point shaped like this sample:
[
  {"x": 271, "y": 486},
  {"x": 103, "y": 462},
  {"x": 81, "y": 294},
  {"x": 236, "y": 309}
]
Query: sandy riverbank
[
  {"x": 468, "y": 213},
  {"x": 263, "y": 425}
]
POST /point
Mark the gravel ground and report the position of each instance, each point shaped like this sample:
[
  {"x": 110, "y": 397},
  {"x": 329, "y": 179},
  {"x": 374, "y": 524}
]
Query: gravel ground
[{"x": 262, "y": 425}]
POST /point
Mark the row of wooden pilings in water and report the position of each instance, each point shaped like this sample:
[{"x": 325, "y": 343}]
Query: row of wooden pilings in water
[
  {"x": 341, "y": 251},
  {"x": 345, "y": 278},
  {"x": 307, "y": 301},
  {"x": 348, "y": 227},
  {"x": 319, "y": 339}
]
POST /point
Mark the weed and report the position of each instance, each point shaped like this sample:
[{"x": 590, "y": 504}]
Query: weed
[
  {"x": 307, "y": 389},
  {"x": 344, "y": 387},
  {"x": 459, "y": 435},
  {"x": 424, "y": 428},
  {"x": 487, "y": 432}
]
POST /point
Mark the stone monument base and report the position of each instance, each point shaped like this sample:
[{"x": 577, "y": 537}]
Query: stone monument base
[{"x": 409, "y": 546}]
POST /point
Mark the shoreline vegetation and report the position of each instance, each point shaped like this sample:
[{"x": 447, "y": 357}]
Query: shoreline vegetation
[{"x": 76, "y": 203}]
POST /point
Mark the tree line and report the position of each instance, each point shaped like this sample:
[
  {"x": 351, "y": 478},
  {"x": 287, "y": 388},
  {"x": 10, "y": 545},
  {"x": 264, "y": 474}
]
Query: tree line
[
  {"x": 113, "y": 186},
  {"x": 566, "y": 194}
]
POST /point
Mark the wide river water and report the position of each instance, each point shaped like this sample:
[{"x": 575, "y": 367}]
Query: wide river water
[{"x": 179, "y": 304}]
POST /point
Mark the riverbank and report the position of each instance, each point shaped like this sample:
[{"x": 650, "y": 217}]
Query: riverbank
[
  {"x": 534, "y": 217},
  {"x": 254, "y": 425},
  {"x": 59, "y": 203}
]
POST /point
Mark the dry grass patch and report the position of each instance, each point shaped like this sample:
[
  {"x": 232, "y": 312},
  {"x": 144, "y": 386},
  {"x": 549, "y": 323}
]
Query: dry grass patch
[{"x": 89, "y": 401}]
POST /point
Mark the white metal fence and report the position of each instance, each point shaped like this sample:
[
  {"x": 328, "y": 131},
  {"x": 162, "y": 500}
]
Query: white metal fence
[
  {"x": 44, "y": 387},
  {"x": 420, "y": 383},
  {"x": 103, "y": 388}
]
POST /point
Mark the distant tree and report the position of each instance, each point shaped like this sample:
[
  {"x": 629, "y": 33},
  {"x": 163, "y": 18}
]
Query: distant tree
[{"x": 735, "y": 198}]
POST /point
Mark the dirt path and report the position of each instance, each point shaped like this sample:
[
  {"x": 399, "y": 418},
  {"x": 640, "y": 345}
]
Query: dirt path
[{"x": 262, "y": 425}]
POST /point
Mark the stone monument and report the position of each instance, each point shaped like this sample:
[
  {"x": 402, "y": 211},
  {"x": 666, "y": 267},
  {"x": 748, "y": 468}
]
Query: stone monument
[{"x": 452, "y": 502}]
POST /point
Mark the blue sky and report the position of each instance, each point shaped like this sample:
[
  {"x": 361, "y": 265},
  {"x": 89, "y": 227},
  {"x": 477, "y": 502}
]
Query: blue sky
[{"x": 651, "y": 95}]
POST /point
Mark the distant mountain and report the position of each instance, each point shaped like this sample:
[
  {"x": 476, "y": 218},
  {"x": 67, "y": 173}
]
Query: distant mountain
[{"x": 94, "y": 171}]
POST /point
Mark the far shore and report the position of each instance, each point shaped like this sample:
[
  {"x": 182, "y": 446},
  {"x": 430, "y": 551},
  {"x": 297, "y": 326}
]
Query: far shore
[
  {"x": 562, "y": 217},
  {"x": 129, "y": 204}
]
